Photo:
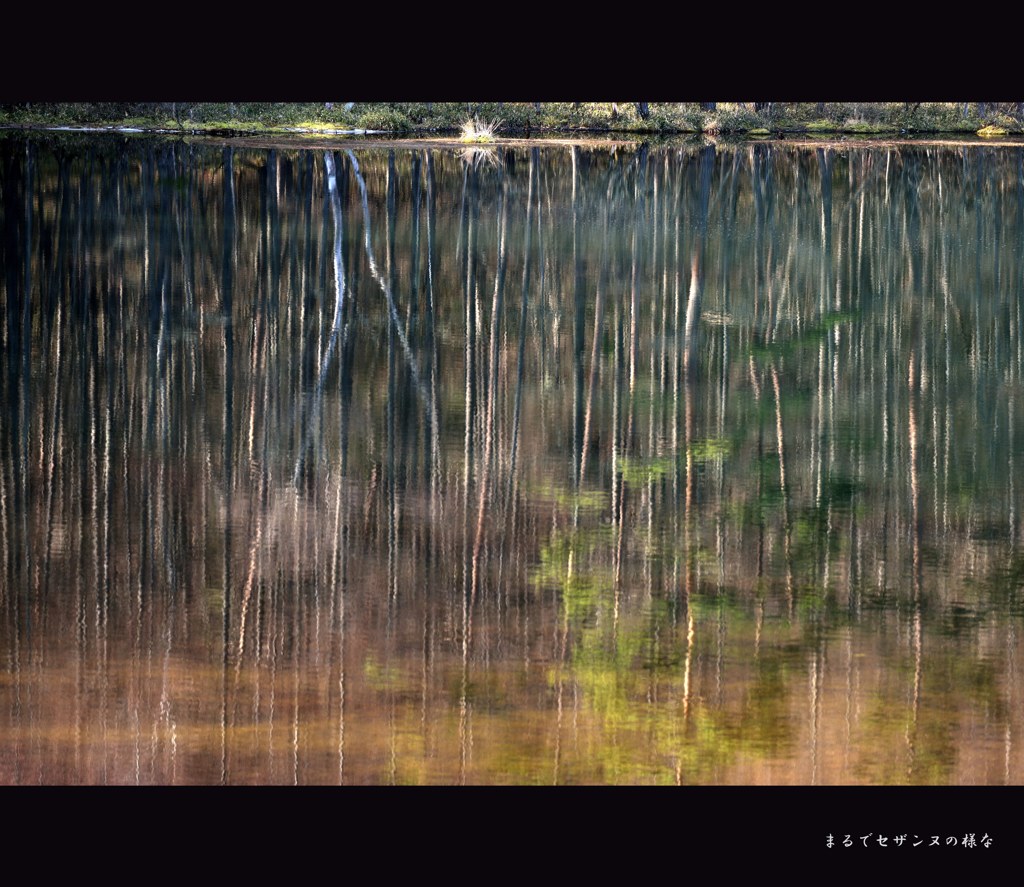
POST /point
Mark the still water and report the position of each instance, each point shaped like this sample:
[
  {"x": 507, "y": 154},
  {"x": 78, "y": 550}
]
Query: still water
[{"x": 691, "y": 464}]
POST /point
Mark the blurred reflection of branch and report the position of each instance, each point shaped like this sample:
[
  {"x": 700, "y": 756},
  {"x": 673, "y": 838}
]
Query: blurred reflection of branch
[
  {"x": 392, "y": 311},
  {"x": 339, "y": 301}
]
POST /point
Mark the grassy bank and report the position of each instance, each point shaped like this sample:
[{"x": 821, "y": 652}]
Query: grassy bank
[{"x": 740, "y": 118}]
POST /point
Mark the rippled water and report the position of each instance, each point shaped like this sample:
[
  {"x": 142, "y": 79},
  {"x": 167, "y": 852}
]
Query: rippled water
[{"x": 686, "y": 464}]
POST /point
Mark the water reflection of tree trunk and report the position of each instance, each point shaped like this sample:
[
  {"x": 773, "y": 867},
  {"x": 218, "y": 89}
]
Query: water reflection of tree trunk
[
  {"x": 579, "y": 315},
  {"x": 639, "y": 192},
  {"x": 659, "y": 316},
  {"x": 914, "y": 381},
  {"x": 760, "y": 268},
  {"x": 688, "y": 368},
  {"x": 691, "y": 330},
  {"x": 388, "y": 291},
  {"x": 433, "y": 345},
  {"x": 728, "y": 203},
  {"x": 783, "y": 488},
  {"x": 228, "y": 421},
  {"x": 695, "y": 301},
  {"x": 649, "y": 491},
  {"x": 626, "y": 446},
  {"x": 53, "y": 442},
  {"x": 432, "y": 549},
  {"x": 17, "y": 200},
  {"x": 471, "y": 205},
  {"x": 618, "y": 445},
  {"x": 312, "y": 416},
  {"x": 825, "y": 352},
  {"x": 484, "y": 481},
  {"x": 391, "y": 269},
  {"x": 595, "y": 349},
  {"x": 520, "y": 363}
]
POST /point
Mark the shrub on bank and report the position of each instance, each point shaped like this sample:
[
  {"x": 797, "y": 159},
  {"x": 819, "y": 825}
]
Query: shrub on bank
[{"x": 383, "y": 119}]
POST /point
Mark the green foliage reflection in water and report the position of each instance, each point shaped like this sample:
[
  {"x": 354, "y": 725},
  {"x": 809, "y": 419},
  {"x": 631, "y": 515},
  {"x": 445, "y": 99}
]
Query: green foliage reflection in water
[
  {"x": 639, "y": 470},
  {"x": 635, "y": 677}
]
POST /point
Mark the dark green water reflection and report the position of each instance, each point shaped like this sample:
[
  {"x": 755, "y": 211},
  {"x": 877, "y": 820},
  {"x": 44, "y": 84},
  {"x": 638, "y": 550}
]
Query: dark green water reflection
[{"x": 691, "y": 465}]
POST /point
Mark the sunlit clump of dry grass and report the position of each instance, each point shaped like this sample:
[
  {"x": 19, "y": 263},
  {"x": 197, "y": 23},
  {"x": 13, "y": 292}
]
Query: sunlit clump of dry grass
[{"x": 479, "y": 133}]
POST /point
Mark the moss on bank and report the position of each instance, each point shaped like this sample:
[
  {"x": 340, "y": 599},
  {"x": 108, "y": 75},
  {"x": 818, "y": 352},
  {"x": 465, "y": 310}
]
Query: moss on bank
[{"x": 740, "y": 118}]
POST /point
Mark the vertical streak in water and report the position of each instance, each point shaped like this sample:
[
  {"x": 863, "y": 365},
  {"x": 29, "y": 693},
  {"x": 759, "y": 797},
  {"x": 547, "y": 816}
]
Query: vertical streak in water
[
  {"x": 469, "y": 291},
  {"x": 690, "y": 373},
  {"x": 56, "y": 429},
  {"x": 677, "y": 337},
  {"x": 542, "y": 262},
  {"x": 433, "y": 348},
  {"x": 679, "y": 589},
  {"x": 26, "y": 353},
  {"x": 784, "y": 489},
  {"x": 273, "y": 192},
  {"x": 392, "y": 394},
  {"x": 673, "y": 345},
  {"x": 663, "y": 359},
  {"x": 394, "y": 329},
  {"x": 1018, "y": 282},
  {"x": 825, "y": 282},
  {"x": 534, "y": 157},
  {"x": 113, "y": 371},
  {"x": 914, "y": 379},
  {"x": 639, "y": 190},
  {"x": 94, "y": 333},
  {"x": 760, "y": 269},
  {"x": 832, "y": 341},
  {"x": 228, "y": 420},
  {"x": 385, "y": 287},
  {"x": 595, "y": 349},
  {"x": 579, "y": 314},
  {"x": 5, "y": 518},
  {"x": 618, "y": 491},
  {"x": 695, "y": 302},
  {"x": 469, "y": 299},
  {"x": 341, "y": 561},
  {"x": 824, "y": 289},
  {"x": 413, "y": 330},
  {"x": 497, "y": 303},
  {"x": 295, "y": 711},
  {"x": 728, "y": 227},
  {"x": 657, "y": 188},
  {"x": 691, "y": 365},
  {"x": 313, "y": 415},
  {"x": 14, "y": 342},
  {"x": 432, "y": 530},
  {"x": 653, "y": 448},
  {"x": 84, "y": 447},
  {"x": 22, "y": 295}
]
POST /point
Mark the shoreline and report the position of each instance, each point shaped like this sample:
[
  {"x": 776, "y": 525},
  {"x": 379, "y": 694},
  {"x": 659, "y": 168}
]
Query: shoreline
[
  {"x": 297, "y": 137},
  {"x": 626, "y": 121}
]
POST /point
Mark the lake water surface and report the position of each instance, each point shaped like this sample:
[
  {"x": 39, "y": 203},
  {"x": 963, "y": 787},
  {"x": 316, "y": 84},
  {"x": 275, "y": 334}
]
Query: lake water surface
[{"x": 690, "y": 464}]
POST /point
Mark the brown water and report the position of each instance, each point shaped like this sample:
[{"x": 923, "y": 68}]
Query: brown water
[{"x": 674, "y": 465}]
